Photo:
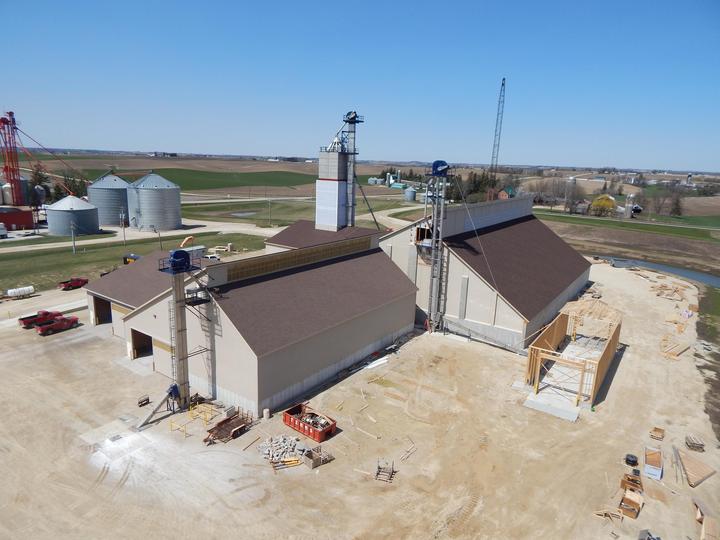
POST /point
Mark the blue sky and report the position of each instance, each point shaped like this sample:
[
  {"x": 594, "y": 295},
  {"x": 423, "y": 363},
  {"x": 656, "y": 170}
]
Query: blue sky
[{"x": 627, "y": 84}]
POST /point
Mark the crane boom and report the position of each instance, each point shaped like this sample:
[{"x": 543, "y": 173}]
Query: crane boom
[
  {"x": 11, "y": 167},
  {"x": 498, "y": 132}
]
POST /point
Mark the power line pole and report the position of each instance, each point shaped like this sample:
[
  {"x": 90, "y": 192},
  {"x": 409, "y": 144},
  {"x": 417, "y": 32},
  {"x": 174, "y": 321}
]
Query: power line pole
[{"x": 122, "y": 224}]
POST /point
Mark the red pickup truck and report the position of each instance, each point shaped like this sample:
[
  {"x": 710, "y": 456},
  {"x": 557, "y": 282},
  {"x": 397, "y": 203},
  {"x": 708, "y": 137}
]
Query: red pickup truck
[
  {"x": 56, "y": 325},
  {"x": 39, "y": 317},
  {"x": 72, "y": 283}
]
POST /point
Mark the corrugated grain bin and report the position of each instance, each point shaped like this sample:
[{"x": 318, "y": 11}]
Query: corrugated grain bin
[
  {"x": 72, "y": 213},
  {"x": 109, "y": 194},
  {"x": 410, "y": 194},
  {"x": 154, "y": 203}
]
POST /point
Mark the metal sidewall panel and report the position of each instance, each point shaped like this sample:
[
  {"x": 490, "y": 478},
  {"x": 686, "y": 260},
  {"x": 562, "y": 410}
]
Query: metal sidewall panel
[
  {"x": 111, "y": 202},
  {"x": 157, "y": 208},
  {"x": 60, "y": 222}
]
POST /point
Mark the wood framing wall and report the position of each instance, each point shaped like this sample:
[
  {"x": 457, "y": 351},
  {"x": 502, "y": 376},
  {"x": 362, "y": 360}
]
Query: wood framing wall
[{"x": 592, "y": 371}]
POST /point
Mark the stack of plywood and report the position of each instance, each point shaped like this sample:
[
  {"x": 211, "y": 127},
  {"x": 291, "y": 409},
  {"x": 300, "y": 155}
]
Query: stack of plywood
[{"x": 695, "y": 470}]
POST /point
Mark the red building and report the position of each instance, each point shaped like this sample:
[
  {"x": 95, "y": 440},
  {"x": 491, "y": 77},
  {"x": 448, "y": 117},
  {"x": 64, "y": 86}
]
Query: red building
[{"x": 16, "y": 219}]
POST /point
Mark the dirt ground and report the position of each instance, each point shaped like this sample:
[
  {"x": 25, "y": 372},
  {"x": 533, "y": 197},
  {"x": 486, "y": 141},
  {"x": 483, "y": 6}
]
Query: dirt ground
[
  {"x": 676, "y": 251},
  {"x": 484, "y": 465},
  {"x": 701, "y": 206}
]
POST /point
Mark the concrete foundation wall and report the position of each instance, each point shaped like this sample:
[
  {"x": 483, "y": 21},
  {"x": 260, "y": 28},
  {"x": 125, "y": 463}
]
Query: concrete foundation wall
[{"x": 286, "y": 374}]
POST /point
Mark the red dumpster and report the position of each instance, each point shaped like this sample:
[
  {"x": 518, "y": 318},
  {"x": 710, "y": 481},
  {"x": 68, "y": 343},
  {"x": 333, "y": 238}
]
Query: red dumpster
[{"x": 303, "y": 418}]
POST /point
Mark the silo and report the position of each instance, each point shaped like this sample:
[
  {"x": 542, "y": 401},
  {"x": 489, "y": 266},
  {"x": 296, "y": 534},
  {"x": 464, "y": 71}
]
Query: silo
[
  {"x": 109, "y": 194},
  {"x": 7, "y": 194},
  {"x": 410, "y": 194},
  {"x": 154, "y": 203},
  {"x": 72, "y": 213}
]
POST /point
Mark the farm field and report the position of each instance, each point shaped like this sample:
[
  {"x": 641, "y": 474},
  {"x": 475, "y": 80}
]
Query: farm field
[
  {"x": 44, "y": 269},
  {"x": 273, "y": 213}
]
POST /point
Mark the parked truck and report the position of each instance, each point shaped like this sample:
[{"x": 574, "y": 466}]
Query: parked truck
[
  {"x": 72, "y": 283},
  {"x": 58, "y": 324},
  {"x": 40, "y": 317}
]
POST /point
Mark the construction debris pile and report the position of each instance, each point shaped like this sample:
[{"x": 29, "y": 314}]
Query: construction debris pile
[
  {"x": 283, "y": 452},
  {"x": 315, "y": 420},
  {"x": 281, "y": 448}
]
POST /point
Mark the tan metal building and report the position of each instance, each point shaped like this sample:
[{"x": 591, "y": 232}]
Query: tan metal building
[
  {"x": 268, "y": 328},
  {"x": 506, "y": 274}
]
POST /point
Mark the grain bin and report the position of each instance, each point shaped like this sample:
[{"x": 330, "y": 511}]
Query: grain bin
[
  {"x": 72, "y": 213},
  {"x": 109, "y": 194},
  {"x": 410, "y": 194},
  {"x": 154, "y": 203}
]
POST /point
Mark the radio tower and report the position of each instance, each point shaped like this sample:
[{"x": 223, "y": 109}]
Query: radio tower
[
  {"x": 498, "y": 131},
  {"x": 11, "y": 167}
]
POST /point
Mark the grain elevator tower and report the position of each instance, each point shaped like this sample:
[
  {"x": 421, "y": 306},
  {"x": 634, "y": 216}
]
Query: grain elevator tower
[{"x": 335, "y": 186}]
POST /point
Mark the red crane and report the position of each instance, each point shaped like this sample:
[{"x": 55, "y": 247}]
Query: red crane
[{"x": 11, "y": 167}]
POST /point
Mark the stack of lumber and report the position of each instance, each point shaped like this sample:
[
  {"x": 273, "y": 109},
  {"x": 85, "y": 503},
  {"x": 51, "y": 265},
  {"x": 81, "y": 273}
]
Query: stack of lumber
[
  {"x": 672, "y": 348},
  {"x": 694, "y": 443},
  {"x": 672, "y": 291}
]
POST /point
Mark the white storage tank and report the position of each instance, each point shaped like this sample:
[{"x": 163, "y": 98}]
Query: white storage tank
[
  {"x": 72, "y": 213},
  {"x": 154, "y": 203},
  {"x": 410, "y": 194},
  {"x": 7, "y": 194},
  {"x": 109, "y": 194}
]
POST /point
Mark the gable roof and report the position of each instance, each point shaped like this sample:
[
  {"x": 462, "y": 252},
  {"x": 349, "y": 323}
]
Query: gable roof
[
  {"x": 303, "y": 233},
  {"x": 530, "y": 264},
  {"x": 274, "y": 311},
  {"x": 133, "y": 284}
]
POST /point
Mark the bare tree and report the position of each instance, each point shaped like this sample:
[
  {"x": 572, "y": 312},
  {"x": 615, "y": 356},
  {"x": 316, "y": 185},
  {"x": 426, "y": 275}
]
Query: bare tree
[{"x": 659, "y": 201}]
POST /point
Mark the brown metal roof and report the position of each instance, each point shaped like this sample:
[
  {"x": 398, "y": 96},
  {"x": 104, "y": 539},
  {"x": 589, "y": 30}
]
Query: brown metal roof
[
  {"x": 304, "y": 234},
  {"x": 276, "y": 310},
  {"x": 530, "y": 264},
  {"x": 135, "y": 283}
]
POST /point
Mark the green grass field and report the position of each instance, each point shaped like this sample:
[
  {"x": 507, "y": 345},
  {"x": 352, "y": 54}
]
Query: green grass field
[
  {"x": 275, "y": 213},
  {"x": 695, "y": 234},
  {"x": 51, "y": 240},
  {"x": 698, "y": 221},
  {"x": 190, "y": 180},
  {"x": 44, "y": 269}
]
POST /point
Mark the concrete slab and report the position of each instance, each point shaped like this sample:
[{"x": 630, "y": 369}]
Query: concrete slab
[{"x": 553, "y": 405}]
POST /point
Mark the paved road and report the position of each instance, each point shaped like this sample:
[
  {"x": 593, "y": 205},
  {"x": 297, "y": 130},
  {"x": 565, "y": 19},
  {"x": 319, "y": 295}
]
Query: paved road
[{"x": 190, "y": 227}]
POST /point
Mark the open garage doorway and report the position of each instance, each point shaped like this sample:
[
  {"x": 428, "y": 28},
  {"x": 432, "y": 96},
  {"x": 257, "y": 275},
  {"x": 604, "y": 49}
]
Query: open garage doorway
[
  {"x": 101, "y": 309},
  {"x": 141, "y": 344}
]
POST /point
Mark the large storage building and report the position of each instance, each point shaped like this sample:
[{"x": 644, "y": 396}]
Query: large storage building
[
  {"x": 506, "y": 273},
  {"x": 272, "y": 327}
]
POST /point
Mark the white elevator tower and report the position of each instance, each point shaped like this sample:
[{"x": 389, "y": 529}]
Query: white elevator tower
[{"x": 335, "y": 186}]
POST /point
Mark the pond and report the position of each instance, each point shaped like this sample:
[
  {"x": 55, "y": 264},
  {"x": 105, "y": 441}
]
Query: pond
[{"x": 702, "y": 277}]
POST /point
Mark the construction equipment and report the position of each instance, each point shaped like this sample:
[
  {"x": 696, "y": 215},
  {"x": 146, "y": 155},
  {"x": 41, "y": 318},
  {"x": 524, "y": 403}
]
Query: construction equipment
[
  {"x": 496, "y": 138},
  {"x": 11, "y": 167},
  {"x": 230, "y": 427}
]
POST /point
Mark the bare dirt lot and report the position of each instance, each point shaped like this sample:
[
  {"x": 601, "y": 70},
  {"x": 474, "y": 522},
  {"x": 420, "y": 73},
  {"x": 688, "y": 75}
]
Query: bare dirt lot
[
  {"x": 701, "y": 206},
  {"x": 484, "y": 465},
  {"x": 676, "y": 251}
]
